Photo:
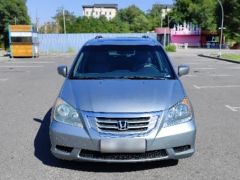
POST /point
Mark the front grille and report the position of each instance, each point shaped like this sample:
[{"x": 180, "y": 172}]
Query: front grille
[
  {"x": 122, "y": 123},
  {"x": 139, "y": 124},
  {"x": 123, "y": 156}
]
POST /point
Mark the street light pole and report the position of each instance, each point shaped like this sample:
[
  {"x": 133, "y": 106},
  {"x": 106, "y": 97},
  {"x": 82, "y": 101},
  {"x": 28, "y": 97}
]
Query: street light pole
[
  {"x": 170, "y": 19},
  {"x": 64, "y": 21},
  {"x": 221, "y": 36},
  {"x": 168, "y": 28}
]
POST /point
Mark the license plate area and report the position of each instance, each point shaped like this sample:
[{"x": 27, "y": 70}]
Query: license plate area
[{"x": 123, "y": 145}]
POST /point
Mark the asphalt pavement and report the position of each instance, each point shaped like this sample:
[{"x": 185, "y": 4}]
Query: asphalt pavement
[{"x": 28, "y": 88}]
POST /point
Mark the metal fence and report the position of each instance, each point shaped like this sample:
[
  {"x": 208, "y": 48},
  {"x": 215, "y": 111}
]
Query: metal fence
[{"x": 71, "y": 43}]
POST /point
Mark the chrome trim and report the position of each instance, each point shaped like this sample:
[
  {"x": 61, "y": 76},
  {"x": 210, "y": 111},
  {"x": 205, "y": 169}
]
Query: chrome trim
[{"x": 96, "y": 125}]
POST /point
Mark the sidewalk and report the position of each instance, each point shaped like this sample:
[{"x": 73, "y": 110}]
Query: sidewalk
[{"x": 2, "y": 57}]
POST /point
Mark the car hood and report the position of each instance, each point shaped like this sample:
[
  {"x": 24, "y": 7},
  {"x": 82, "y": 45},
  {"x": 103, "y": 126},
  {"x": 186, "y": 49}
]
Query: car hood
[{"x": 120, "y": 96}]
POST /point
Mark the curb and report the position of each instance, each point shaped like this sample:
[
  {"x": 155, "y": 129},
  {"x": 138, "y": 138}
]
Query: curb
[
  {"x": 222, "y": 59},
  {"x": 4, "y": 58}
]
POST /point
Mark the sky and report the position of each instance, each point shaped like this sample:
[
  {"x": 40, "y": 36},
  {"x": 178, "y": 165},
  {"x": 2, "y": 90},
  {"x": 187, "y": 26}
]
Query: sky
[{"x": 46, "y": 9}]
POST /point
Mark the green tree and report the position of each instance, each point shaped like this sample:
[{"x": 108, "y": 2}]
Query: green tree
[
  {"x": 83, "y": 25},
  {"x": 70, "y": 20},
  {"x": 154, "y": 15},
  {"x": 135, "y": 18},
  {"x": 118, "y": 26},
  {"x": 201, "y": 12},
  {"x": 140, "y": 24},
  {"x": 49, "y": 27},
  {"x": 129, "y": 14},
  {"x": 12, "y": 11},
  {"x": 231, "y": 18}
]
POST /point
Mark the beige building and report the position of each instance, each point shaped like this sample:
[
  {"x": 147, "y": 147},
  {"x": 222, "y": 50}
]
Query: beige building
[{"x": 97, "y": 10}]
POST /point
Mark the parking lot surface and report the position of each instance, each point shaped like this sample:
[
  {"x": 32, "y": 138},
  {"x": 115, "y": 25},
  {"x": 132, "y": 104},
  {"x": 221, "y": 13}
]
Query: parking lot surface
[{"x": 28, "y": 88}]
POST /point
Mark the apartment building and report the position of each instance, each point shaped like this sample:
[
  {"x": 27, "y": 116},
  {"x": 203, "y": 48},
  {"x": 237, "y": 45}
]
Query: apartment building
[{"x": 97, "y": 10}]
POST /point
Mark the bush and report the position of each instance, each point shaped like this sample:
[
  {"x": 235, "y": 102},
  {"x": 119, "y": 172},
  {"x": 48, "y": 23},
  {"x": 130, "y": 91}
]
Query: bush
[
  {"x": 170, "y": 48},
  {"x": 8, "y": 49},
  {"x": 235, "y": 46},
  {"x": 71, "y": 50},
  {"x": 1, "y": 44}
]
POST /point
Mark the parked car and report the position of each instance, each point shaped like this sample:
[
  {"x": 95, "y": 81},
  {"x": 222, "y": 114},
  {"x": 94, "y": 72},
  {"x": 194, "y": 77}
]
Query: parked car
[{"x": 122, "y": 101}]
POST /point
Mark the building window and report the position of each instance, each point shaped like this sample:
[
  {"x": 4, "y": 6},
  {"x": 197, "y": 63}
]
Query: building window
[
  {"x": 110, "y": 13},
  {"x": 87, "y": 13},
  {"x": 96, "y": 13}
]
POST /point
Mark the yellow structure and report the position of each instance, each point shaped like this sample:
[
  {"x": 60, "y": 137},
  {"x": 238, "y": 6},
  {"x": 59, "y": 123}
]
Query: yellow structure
[{"x": 23, "y": 40}]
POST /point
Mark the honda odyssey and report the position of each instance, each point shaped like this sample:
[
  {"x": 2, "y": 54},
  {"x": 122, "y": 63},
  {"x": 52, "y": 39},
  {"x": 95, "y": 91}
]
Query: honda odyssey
[{"x": 122, "y": 101}]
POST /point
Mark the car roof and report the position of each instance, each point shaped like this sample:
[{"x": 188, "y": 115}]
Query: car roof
[{"x": 98, "y": 41}]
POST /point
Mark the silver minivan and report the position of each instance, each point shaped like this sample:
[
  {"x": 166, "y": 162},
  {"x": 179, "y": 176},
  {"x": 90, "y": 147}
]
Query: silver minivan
[{"x": 122, "y": 101}]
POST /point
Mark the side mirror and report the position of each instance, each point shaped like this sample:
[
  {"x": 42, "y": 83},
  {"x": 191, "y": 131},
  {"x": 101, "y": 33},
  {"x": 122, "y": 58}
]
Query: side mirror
[
  {"x": 183, "y": 70},
  {"x": 62, "y": 70}
]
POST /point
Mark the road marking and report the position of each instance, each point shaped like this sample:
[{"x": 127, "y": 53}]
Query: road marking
[
  {"x": 220, "y": 75},
  {"x": 233, "y": 68},
  {"x": 3, "y": 80},
  {"x": 21, "y": 66},
  {"x": 234, "y": 109},
  {"x": 190, "y": 75},
  {"x": 46, "y": 62},
  {"x": 193, "y": 63},
  {"x": 204, "y": 68},
  {"x": 211, "y": 75},
  {"x": 212, "y": 87}
]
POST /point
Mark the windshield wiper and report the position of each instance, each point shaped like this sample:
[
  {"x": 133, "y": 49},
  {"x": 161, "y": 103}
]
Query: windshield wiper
[
  {"x": 142, "y": 77},
  {"x": 86, "y": 78},
  {"x": 123, "y": 77}
]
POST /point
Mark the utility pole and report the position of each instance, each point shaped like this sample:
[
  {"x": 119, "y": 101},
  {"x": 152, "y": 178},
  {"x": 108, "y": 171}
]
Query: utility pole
[
  {"x": 169, "y": 29},
  {"x": 161, "y": 20},
  {"x": 164, "y": 38},
  {"x": 64, "y": 22},
  {"x": 37, "y": 20},
  {"x": 15, "y": 19},
  {"x": 221, "y": 36}
]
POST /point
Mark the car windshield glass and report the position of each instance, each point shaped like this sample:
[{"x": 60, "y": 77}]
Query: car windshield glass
[{"x": 122, "y": 62}]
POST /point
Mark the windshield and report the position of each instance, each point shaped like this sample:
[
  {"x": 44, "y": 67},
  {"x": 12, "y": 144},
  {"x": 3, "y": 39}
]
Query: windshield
[{"x": 123, "y": 62}]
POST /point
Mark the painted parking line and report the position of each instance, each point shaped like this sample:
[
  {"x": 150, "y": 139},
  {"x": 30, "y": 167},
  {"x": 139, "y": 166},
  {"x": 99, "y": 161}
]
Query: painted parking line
[
  {"x": 46, "y": 62},
  {"x": 220, "y": 75},
  {"x": 21, "y": 66},
  {"x": 212, "y": 87},
  {"x": 3, "y": 80},
  {"x": 204, "y": 68},
  {"x": 211, "y": 75},
  {"x": 193, "y": 63},
  {"x": 190, "y": 75},
  {"x": 233, "y": 67},
  {"x": 234, "y": 109}
]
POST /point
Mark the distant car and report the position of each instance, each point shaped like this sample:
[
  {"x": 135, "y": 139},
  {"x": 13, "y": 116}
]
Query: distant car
[{"x": 122, "y": 102}]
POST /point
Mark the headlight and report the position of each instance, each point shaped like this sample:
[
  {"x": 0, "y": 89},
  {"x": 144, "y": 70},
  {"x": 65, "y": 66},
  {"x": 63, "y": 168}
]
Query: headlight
[
  {"x": 179, "y": 113},
  {"x": 65, "y": 113}
]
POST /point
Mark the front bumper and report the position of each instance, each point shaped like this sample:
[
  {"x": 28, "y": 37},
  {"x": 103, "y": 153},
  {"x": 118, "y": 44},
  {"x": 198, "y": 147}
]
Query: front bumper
[{"x": 84, "y": 144}]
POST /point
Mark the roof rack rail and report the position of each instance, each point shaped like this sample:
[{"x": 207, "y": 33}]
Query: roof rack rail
[
  {"x": 145, "y": 36},
  {"x": 98, "y": 37}
]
